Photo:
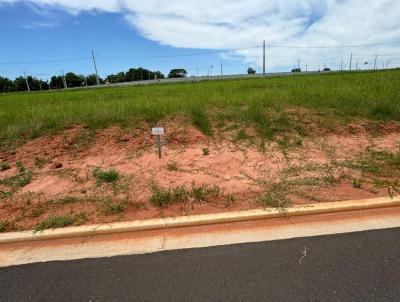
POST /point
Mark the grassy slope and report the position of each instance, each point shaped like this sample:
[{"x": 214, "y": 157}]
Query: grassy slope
[{"x": 373, "y": 95}]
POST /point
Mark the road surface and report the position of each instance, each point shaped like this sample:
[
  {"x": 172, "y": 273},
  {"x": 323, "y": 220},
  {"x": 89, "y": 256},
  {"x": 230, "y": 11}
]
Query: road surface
[{"x": 362, "y": 266}]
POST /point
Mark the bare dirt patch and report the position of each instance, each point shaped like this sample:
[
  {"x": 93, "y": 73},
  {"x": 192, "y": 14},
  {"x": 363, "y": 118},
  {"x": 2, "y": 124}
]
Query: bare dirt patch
[{"x": 53, "y": 177}]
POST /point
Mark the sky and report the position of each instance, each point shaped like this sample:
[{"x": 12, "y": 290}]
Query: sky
[{"x": 47, "y": 37}]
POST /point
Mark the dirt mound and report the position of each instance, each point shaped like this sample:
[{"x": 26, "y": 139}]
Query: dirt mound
[{"x": 113, "y": 174}]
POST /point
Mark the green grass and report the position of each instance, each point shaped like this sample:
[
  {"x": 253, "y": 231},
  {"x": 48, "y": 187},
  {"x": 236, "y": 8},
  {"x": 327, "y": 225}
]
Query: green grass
[
  {"x": 163, "y": 198},
  {"x": 258, "y": 103},
  {"x": 4, "y": 166},
  {"x": 276, "y": 197},
  {"x": 108, "y": 207},
  {"x": 4, "y": 224},
  {"x": 56, "y": 221},
  {"x": 206, "y": 151},
  {"x": 380, "y": 163},
  {"x": 20, "y": 166},
  {"x": 18, "y": 180},
  {"x": 108, "y": 176},
  {"x": 64, "y": 200},
  {"x": 204, "y": 192}
]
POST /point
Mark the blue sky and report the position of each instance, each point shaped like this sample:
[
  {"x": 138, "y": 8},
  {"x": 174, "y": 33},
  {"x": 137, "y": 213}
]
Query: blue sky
[
  {"x": 57, "y": 35},
  {"x": 42, "y": 30}
]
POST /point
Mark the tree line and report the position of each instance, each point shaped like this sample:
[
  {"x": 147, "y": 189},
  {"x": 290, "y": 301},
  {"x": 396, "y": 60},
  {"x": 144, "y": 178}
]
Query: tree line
[{"x": 72, "y": 80}]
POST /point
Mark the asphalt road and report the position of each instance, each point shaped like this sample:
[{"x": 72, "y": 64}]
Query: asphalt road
[{"x": 361, "y": 266}]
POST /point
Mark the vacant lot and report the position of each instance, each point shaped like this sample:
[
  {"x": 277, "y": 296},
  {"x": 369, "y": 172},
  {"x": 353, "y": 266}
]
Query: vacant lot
[{"x": 83, "y": 156}]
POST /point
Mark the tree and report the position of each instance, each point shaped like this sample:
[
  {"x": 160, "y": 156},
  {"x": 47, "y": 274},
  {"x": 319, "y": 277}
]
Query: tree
[
  {"x": 158, "y": 75},
  {"x": 250, "y": 70},
  {"x": 327, "y": 69},
  {"x": 177, "y": 73},
  {"x": 74, "y": 80},
  {"x": 117, "y": 78},
  {"x": 6, "y": 85},
  {"x": 56, "y": 82},
  {"x": 296, "y": 70},
  {"x": 92, "y": 80}
]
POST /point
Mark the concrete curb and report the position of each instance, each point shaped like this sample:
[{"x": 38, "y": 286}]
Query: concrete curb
[{"x": 195, "y": 220}]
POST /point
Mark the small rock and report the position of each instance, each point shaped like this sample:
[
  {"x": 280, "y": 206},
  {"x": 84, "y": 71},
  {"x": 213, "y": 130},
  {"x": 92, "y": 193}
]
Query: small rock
[
  {"x": 56, "y": 165},
  {"x": 124, "y": 138}
]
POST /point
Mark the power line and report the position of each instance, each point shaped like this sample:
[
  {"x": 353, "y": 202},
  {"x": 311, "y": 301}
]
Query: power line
[
  {"x": 325, "y": 46},
  {"x": 177, "y": 55},
  {"x": 46, "y": 61},
  {"x": 193, "y": 54}
]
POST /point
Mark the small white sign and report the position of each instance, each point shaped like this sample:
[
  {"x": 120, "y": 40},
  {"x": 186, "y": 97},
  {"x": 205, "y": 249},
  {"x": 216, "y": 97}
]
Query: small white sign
[{"x": 157, "y": 131}]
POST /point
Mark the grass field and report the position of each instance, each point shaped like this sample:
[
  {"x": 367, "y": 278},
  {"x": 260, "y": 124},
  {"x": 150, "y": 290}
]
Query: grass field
[{"x": 259, "y": 103}]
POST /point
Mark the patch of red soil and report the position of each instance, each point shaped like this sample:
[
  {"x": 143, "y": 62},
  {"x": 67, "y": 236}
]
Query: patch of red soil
[{"x": 246, "y": 172}]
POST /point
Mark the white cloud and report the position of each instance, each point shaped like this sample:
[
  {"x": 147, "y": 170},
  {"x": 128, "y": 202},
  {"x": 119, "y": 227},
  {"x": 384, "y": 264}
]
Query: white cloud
[{"x": 226, "y": 24}]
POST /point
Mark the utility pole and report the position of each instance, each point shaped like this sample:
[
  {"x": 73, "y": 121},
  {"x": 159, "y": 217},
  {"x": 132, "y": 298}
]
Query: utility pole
[
  {"x": 64, "y": 81},
  {"x": 221, "y": 70},
  {"x": 306, "y": 67},
  {"x": 95, "y": 68},
  {"x": 357, "y": 64},
  {"x": 264, "y": 58},
  {"x": 351, "y": 60},
  {"x": 376, "y": 57},
  {"x": 298, "y": 63},
  {"x": 341, "y": 66},
  {"x": 141, "y": 73},
  {"x": 27, "y": 84},
  {"x": 86, "y": 81}
]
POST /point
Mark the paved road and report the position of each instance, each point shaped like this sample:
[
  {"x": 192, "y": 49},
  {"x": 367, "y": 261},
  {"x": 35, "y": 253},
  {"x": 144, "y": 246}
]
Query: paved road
[{"x": 361, "y": 266}]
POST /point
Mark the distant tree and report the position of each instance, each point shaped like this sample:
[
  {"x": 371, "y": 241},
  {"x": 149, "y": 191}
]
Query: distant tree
[
  {"x": 6, "y": 85},
  {"x": 177, "y": 73},
  {"x": 56, "y": 82},
  {"x": 250, "y": 70},
  {"x": 133, "y": 74},
  {"x": 34, "y": 84},
  {"x": 92, "y": 80},
  {"x": 327, "y": 69},
  {"x": 117, "y": 78},
  {"x": 158, "y": 75},
  {"x": 296, "y": 70},
  {"x": 20, "y": 84},
  {"x": 74, "y": 80}
]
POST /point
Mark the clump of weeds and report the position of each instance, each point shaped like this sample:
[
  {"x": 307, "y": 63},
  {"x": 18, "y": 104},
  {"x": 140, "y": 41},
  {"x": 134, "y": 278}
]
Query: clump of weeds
[
  {"x": 63, "y": 200},
  {"x": 108, "y": 176},
  {"x": 61, "y": 221},
  {"x": 108, "y": 207},
  {"x": 357, "y": 183},
  {"x": 5, "y": 225},
  {"x": 4, "y": 166},
  {"x": 172, "y": 166},
  {"x": 19, "y": 180},
  {"x": 276, "y": 197},
  {"x": 20, "y": 166},
  {"x": 206, "y": 151},
  {"x": 229, "y": 199},
  {"x": 204, "y": 192},
  {"x": 163, "y": 198}
]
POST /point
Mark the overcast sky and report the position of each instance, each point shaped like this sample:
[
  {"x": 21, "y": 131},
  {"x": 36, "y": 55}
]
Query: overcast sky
[{"x": 40, "y": 30}]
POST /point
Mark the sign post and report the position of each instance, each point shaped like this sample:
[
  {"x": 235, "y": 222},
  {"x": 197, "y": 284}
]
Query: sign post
[{"x": 158, "y": 131}]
